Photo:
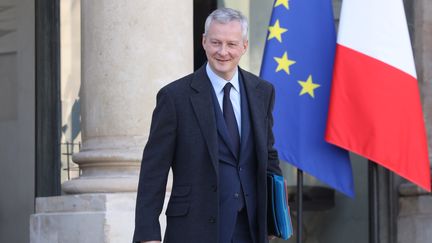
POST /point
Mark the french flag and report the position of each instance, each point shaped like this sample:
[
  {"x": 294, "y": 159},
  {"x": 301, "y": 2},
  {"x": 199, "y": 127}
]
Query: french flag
[{"x": 375, "y": 108}]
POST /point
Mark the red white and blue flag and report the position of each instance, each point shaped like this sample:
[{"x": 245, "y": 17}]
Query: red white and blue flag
[{"x": 375, "y": 108}]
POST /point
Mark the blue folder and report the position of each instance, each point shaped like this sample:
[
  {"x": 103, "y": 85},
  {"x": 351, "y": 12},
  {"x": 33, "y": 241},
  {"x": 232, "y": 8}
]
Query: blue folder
[{"x": 278, "y": 216}]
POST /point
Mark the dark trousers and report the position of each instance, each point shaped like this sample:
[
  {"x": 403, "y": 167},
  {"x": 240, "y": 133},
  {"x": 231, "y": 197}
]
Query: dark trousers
[{"x": 242, "y": 233}]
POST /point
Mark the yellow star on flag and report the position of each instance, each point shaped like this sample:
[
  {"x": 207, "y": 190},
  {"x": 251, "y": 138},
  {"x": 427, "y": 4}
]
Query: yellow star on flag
[
  {"x": 282, "y": 2},
  {"x": 284, "y": 63},
  {"x": 276, "y": 31},
  {"x": 308, "y": 86}
]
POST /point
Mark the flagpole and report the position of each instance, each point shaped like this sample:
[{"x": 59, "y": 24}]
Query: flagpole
[
  {"x": 391, "y": 198},
  {"x": 299, "y": 205},
  {"x": 373, "y": 203}
]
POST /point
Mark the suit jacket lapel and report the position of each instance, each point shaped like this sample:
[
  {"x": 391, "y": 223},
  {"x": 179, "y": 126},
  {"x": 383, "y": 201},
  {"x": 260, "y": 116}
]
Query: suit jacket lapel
[
  {"x": 202, "y": 103},
  {"x": 245, "y": 114},
  {"x": 221, "y": 127},
  {"x": 258, "y": 116}
]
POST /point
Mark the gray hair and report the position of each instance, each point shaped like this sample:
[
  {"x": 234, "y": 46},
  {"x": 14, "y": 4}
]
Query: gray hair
[{"x": 226, "y": 15}]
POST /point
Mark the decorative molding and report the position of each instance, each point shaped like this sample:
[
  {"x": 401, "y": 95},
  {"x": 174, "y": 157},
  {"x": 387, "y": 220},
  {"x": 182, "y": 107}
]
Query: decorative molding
[{"x": 7, "y": 19}]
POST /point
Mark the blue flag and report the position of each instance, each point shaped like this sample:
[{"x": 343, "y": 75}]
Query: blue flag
[{"x": 298, "y": 61}]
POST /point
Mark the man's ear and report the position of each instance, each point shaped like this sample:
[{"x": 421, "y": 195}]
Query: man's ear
[
  {"x": 204, "y": 39},
  {"x": 245, "y": 46}
]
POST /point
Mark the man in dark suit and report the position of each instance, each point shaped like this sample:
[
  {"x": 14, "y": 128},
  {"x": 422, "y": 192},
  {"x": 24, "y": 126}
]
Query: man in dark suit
[{"x": 214, "y": 129}]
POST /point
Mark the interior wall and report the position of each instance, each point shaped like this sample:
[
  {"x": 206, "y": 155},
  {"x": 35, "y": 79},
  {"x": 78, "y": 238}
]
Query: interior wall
[{"x": 17, "y": 119}]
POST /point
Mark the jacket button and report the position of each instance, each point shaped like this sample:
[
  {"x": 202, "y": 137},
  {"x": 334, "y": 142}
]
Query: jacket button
[
  {"x": 236, "y": 195},
  {"x": 212, "y": 220}
]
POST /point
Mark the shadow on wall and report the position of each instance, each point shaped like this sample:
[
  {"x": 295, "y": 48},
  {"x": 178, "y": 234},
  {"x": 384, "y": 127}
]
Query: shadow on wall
[{"x": 72, "y": 128}]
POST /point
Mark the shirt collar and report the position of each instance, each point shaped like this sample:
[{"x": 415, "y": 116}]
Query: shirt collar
[{"x": 219, "y": 83}]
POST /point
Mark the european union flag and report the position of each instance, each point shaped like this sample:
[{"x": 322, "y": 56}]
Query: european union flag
[{"x": 298, "y": 60}]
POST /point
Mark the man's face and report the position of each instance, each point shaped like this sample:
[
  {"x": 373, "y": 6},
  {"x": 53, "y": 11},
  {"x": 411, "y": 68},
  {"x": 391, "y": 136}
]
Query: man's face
[{"x": 224, "y": 46}]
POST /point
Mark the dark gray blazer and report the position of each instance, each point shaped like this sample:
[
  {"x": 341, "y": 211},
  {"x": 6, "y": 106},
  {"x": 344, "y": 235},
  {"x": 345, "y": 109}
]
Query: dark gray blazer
[{"x": 183, "y": 136}]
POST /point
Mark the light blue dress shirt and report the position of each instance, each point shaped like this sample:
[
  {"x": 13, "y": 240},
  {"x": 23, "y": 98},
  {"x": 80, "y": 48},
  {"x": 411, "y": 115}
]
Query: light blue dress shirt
[{"x": 218, "y": 84}]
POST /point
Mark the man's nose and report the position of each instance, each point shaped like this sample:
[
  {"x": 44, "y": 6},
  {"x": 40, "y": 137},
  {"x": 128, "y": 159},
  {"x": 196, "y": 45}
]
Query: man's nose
[{"x": 223, "y": 50}]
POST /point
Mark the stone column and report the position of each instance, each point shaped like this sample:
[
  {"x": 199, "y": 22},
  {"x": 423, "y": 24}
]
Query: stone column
[
  {"x": 423, "y": 59},
  {"x": 415, "y": 215},
  {"x": 415, "y": 212},
  {"x": 130, "y": 49}
]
